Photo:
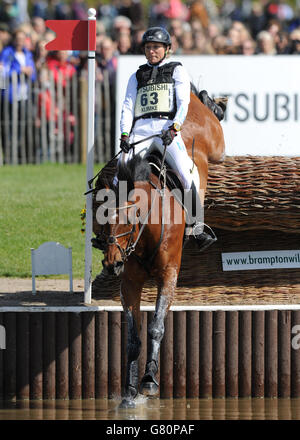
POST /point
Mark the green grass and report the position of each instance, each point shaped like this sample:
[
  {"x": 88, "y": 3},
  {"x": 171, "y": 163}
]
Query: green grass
[{"x": 41, "y": 203}]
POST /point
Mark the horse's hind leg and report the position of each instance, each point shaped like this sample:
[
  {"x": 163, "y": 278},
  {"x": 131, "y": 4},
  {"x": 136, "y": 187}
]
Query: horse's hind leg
[
  {"x": 156, "y": 329},
  {"x": 130, "y": 296}
]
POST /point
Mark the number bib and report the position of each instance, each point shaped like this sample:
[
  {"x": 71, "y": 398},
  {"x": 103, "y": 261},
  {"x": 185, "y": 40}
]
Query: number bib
[{"x": 155, "y": 99}]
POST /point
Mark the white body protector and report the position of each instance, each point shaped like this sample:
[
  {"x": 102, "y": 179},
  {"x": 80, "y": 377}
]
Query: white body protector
[{"x": 160, "y": 98}]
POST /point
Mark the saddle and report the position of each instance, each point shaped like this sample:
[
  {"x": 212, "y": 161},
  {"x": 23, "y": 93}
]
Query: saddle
[{"x": 173, "y": 179}]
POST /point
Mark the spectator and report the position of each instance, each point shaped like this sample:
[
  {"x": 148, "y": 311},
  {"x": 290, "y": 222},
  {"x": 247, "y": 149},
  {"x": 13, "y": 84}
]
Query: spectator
[
  {"x": 257, "y": 20},
  {"x": 248, "y": 47},
  {"x": 137, "y": 40},
  {"x": 157, "y": 13},
  {"x": 283, "y": 43},
  {"x": 40, "y": 55},
  {"x": 58, "y": 63},
  {"x": 121, "y": 24},
  {"x": 177, "y": 9},
  {"x": 295, "y": 41},
  {"x": 202, "y": 44},
  {"x": 132, "y": 9},
  {"x": 4, "y": 35},
  {"x": 78, "y": 10},
  {"x": 265, "y": 43},
  {"x": 107, "y": 60},
  {"x": 124, "y": 44},
  {"x": 17, "y": 58},
  {"x": 176, "y": 28},
  {"x": 38, "y": 25},
  {"x": 187, "y": 40}
]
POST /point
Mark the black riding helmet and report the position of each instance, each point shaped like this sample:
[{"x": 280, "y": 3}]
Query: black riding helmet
[{"x": 156, "y": 35}]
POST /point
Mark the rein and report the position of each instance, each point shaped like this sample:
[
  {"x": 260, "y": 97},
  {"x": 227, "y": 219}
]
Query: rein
[{"x": 130, "y": 248}]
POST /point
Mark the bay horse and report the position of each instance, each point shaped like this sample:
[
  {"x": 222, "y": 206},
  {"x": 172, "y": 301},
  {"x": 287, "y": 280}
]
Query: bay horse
[{"x": 138, "y": 249}]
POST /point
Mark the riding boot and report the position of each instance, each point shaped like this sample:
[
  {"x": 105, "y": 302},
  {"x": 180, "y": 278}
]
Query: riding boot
[
  {"x": 218, "y": 108},
  {"x": 203, "y": 239}
]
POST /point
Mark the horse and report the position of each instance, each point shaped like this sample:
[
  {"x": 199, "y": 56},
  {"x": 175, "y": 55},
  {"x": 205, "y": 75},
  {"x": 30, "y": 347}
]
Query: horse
[{"x": 137, "y": 249}]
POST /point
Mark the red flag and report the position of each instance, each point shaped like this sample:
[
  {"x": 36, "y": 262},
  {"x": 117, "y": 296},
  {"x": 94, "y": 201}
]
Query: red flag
[{"x": 72, "y": 35}]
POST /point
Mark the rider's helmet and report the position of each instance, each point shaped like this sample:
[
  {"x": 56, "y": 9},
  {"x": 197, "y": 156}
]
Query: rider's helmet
[{"x": 156, "y": 35}]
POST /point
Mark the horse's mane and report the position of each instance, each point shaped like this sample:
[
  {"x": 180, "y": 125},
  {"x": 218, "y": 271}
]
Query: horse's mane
[{"x": 134, "y": 170}]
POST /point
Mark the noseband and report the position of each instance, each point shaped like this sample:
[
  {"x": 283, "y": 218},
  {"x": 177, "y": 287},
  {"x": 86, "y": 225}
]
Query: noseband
[{"x": 113, "y": 239}]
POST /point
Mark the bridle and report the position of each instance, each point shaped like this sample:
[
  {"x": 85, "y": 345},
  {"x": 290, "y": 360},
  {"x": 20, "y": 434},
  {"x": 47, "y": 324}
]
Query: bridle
[
  {"x": 113, "y": 239},
  {"x": 130, "y": 246}
]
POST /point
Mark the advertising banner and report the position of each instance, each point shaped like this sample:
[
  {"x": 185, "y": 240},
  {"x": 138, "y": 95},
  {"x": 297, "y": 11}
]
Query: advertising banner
[{"x": 263, "y": 113}]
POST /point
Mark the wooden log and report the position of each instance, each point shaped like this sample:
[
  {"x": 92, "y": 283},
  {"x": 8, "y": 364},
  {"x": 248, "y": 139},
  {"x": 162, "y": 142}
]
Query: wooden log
[
  {"x": 271, "y": 353},
  {"x": 206, "y": 337},
  {"x": 114, "y": 354},
  {"x": 62, "y": 355},
  {"x": 192, "y": 354},
  {"x": 36, "y": 356},
  {"x": 49, "y": 355},
  {"x": 23, "y": 355},
  {"x": 166, "y": 359},
  {"x": 88, "y": 355},
  {"x": 232, "y": 354},
  {"x": 245, "y": 352},
  {"x": 258, "y": 353},
  {"x": 101, "y": 360},
  {"x": 179, "y": 372},
  {"x": 75, "y": 355},
  {"x": 295, "y": 354},
  {"x": 284, "y": 353},
  {"x": 219, "y": 354}
]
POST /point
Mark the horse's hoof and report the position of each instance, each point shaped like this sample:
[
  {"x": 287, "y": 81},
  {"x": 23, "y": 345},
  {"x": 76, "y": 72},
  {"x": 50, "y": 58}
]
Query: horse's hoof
[
  {"x": 127, "y": 404},
  {"x": 149, "y": 388}
]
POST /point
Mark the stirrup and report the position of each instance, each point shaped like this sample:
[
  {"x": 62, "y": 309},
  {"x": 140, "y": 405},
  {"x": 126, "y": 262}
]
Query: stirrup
[{"x": 203, "y": 239}]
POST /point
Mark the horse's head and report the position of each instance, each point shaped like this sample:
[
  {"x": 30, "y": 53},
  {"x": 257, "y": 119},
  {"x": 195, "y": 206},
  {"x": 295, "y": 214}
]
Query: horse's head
[{"x": 121, "y": 230}]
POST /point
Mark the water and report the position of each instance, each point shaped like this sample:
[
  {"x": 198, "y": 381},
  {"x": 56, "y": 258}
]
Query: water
[{"x": 153, "y": 409}]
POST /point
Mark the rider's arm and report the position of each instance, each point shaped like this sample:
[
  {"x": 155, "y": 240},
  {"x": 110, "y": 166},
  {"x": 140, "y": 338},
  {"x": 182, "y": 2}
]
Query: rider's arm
[
  {"x": 182, "y": 90},
  {"x": 127, "y": 114}
]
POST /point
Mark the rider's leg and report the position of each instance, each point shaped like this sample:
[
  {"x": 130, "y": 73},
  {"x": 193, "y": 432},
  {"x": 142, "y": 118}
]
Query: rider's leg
[
  {"x": 218, "y": 108},
  {"x": 204, "y": 239},
  {"x": 177, "y": 155}
]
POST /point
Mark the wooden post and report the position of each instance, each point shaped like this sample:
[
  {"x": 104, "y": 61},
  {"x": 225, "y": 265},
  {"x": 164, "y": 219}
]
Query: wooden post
[
  {"x": 258, "y": 353},
  {"x": 192, "y": 354},
  {"x": 166, "y": 359},
  {"x": 23, "y": 355},
  {"x": 271, "y": 353},
  {"x": 88, "y": 355},
  {"x": 206, "y": 329},
  {"x": 83, "y": 112},
  {"x": 101, "y": 361},
  {"x": 180, "y": 354},
  {"x": 245, "y": 350},
  {"x": 62, "y": 355},
  {"x": 49, "y": 355},
  {"x": 232, "y": 354}
]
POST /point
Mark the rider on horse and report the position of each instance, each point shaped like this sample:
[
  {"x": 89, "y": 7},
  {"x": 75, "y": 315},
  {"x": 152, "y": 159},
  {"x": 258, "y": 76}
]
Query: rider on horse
[{"x": 157, "y": 100}]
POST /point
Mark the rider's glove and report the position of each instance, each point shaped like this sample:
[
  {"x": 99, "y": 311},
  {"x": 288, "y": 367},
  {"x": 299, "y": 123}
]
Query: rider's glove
[
  {"x": 168, "y": 135},
  {"x": 124, "y": 143}
]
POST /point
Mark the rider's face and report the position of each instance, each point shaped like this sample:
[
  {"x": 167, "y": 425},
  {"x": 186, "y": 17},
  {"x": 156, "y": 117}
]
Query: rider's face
[{"x": 154, "y": 52}]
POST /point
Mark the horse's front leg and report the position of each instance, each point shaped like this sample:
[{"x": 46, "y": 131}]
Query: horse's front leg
[
  {"x": 156, "y": 329},
  {"x": 130, "y": 297}
]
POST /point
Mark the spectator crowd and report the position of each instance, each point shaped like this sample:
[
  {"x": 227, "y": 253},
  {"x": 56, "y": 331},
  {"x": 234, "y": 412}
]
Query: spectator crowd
[{"x": 203, "y": 27}]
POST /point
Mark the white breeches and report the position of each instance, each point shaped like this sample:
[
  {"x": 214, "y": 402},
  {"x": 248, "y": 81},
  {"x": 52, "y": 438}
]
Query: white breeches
[{"x": 176, "y": 155}]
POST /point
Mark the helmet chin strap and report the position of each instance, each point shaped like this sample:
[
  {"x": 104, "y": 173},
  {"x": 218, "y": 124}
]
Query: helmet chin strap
[{"x": 166, "y": 53}]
